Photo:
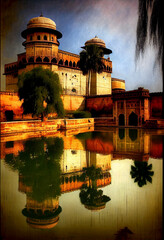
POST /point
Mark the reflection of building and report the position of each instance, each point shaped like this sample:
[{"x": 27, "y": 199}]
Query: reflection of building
[
  {"x": 131, "y": 143},
  {"x": 40, "y": 214},
  {"x": 118, "y": 143}
]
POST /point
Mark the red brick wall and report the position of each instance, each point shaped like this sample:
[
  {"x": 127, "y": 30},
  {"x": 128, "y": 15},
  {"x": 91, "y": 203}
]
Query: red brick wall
[
  {"x": 100, "y": 106},
  {"x": 156, "y": 105}
]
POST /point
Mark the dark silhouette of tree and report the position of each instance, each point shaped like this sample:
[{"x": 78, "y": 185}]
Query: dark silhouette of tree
[
  {"x": 150, "y": 27},
  {"x": 141, "y": 173},
  {"x": 91, "y": 61},
  {"x": 39, "y": 167},
  {"x": 123, "y": 234},
  {"x": 40, "y": 90},
  {"x": 90, "y": 196}
]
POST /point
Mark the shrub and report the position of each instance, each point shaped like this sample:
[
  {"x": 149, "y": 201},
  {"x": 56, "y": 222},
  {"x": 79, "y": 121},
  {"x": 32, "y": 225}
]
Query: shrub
[{"x": 82, "y": 114}]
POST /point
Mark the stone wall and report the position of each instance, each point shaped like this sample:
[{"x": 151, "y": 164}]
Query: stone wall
[
  {"x": 100, "y": 105},
  {"x": 47, "y": 126},
  {"x": 156, "y": 105},
  {"x": 10, "y": 103}
]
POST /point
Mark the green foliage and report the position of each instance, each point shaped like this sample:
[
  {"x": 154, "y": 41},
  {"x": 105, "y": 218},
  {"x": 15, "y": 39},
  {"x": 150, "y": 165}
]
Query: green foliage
[
  {"x": 39, "y": 166},
  {"x": 40, "y": 86},
  {"x": 91, "y": 59},
  {"x": 93, "y": 173},
  {"x": 82, "y": 114},
  {"x": 90, "y": 195}
]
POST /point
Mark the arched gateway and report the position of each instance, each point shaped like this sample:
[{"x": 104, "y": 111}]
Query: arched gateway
[
  {"x": 121, "y": 120},
  {"x": 133, "y": 119}
]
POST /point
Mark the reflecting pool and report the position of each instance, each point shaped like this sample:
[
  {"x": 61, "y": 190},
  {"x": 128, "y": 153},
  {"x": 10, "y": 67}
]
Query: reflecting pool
[{"x": 103, "y": 184}]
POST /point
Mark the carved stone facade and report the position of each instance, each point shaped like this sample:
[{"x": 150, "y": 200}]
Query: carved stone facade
[{"x": 131, "y": 108}]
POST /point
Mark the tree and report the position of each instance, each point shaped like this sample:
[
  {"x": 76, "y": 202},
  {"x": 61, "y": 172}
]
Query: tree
[
  {"x": 41, "y": 90},
  {"x": 39, "y": 166},
  {"x": 150, "y": 26},
  {"x": 91, "y": 61}
]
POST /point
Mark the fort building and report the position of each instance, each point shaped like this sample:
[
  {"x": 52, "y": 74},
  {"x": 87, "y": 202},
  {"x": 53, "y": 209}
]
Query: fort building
[
  {"x": 106, "y": 96},
  {"x": 42, "y": 49}
]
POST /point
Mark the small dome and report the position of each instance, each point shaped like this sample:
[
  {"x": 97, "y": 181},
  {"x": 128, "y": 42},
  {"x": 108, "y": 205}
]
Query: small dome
[
  {"x": 96, "y": 41},
  {"x": 41, "y": 22}
]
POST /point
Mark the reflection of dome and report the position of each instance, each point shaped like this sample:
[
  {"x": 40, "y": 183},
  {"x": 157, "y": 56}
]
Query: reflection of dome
[
  {"x": 96, "y": 41},
  {"x": 41, "y": 22},
  {"x": 43, "y": 224},
  {"x": 39, "y": 219},
  {"x": 95, "y": 208}
]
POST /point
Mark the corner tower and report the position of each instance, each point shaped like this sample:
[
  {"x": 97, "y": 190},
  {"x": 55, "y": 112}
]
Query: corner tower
[
  {"x": 101, "y": 83},
  {"x": 41, "y": 41}
]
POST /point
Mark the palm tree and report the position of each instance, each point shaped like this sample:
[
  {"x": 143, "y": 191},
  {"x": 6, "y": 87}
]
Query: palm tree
[
  {"x": 141, "y": 173},
  {"x": 150, "y": 26},
  {"x": 91, "y": 61}
]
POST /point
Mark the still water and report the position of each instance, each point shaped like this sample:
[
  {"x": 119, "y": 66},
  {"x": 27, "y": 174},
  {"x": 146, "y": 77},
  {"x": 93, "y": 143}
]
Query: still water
[{"x": 94, "y": 185}]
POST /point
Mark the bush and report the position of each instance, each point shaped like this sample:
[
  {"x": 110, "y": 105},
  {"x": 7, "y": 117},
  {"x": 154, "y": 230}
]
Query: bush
[{"x": 82, "y": 114}]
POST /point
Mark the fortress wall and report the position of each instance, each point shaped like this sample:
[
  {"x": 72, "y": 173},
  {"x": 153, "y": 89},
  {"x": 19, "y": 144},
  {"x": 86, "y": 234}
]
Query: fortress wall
[{"x": 10, "y": 102}]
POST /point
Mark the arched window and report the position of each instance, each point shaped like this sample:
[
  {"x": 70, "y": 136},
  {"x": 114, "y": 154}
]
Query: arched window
[
  {"x": 61, "y": 62},
  {"x": 46, "y": 59},
  {"x": 104, "y": 67},
  {"x": 30, "y": 38},
  {"x": 78, "y": 64},
  {"x": 66, "y": 63},
  {"x": 52, "y": 39},
  {"x": 38, "y": 37},
  {"x": 54, "y": 60},
  {"x": 38, "y": 59},
  {"x": 70, "y": 64},
  {"x": 31, "y": 60},
  {"x": 121, "y": 120},
  {"x": 133, "y": 119},
  {"x": 20, "y": 64},
  {"x": 45, "y": 37},
  {"x": 24, "y": 60},
  {"x": 74, "y": 64}
]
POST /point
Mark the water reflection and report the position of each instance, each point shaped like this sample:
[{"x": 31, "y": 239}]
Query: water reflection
[
  {"x": 90, "y": 169},
  {"x": 39, "y": 177},
  {"x": 90, "y": 196},
  {"x": 141, "y": 173},
  {"x": 123, "y": 234}
]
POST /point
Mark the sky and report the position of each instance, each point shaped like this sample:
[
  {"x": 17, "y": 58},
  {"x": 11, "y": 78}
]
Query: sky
[{"x": 114, "y": 21}]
